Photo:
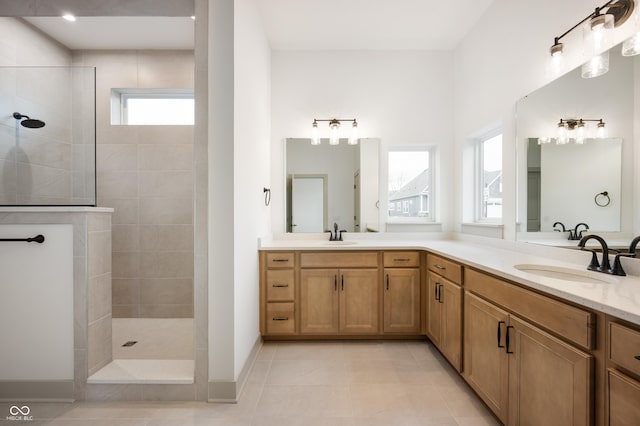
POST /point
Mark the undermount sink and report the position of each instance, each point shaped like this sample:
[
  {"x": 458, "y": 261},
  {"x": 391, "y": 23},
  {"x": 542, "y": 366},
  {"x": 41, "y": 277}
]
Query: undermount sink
[
  {"x": 566, "y": 274},
  {"x": 339, "y": 243}
]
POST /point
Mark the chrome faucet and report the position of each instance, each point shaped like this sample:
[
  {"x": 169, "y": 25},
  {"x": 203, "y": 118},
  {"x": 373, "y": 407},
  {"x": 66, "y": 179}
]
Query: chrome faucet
[
  {"x": 594, "y": 265},
  {"x": 574, "y": 234}
]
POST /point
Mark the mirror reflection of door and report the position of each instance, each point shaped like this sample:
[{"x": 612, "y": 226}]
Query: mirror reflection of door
[
  {"x": 356, "y": 201},
  {"x": 533, "y": 201},
  {"x": 308, "y": 203}
]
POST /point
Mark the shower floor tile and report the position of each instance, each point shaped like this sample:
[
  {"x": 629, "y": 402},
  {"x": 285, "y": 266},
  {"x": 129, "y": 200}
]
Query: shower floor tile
[
  {"x": 145, "y": 371},
  {"x": 157, "y": 338}
]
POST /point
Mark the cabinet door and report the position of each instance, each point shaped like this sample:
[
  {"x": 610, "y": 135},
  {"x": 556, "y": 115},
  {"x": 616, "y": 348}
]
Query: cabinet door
[
  {"x": 434, "y": 283},
  {"x": 359, "y": 301},
  {"x": 451, "y": 322},
  {"x": 485, "y": 358},
  {"x": 550, "y": 382},
  {"x": 401, "y": 300},
  {"x": 624, "y": 395},
  {"x": 319, "y": 301}
]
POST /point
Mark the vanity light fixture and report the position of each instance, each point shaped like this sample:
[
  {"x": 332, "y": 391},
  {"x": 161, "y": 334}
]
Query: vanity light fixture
[
  {"x": 612, "y": 14},
  {"x": 334, "y": 128},
  {"x": 574, "y": 129}
]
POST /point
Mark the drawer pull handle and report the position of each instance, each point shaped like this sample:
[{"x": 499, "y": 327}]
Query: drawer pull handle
[
  {"x": 440, "y": 267},
  {"x": 280, "y": 285},
  {"x": 500, "y": 333},
  {"x": 280, "y": 318},
  {"x": 404, "y": 259},
  {"x": 280, "y": 260},
  {"x": 637, "y": 357},
  {"x": 509, "y": 327},
  {"x": 387, "y": 281},
  {"x": 335, "y": 283},
  {"x": 440, "y": 294}
]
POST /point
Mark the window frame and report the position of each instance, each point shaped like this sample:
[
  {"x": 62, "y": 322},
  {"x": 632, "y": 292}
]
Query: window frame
[
  {"x": 120, "y": 98},
  {"x": 479, "y": 190},
  {"x": 400, "y": 207}
]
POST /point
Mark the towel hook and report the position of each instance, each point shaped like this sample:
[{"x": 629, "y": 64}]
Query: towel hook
[{"x": 267, "y": 196}]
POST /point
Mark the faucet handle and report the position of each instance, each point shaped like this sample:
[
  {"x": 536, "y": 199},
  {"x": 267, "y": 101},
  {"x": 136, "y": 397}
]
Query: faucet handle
[
  {"x": 340, "y": 235},
  {"x": 594, "y": 265},
  {"x": 617, "y": 266}
]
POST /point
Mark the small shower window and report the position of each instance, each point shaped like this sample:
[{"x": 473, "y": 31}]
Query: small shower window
[{"x": 152, "y": 106}]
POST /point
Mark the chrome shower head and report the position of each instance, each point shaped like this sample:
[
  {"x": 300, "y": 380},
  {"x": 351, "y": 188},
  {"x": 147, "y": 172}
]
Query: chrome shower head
[{"x": 30, "y": 123}]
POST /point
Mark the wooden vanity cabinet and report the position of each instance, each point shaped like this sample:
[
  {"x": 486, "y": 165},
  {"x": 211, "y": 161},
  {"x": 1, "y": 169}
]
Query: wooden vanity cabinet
[
  {"x": 401, "y": 293},
  {"x": 444, "y": 307},
  {"x": 523, "y": 373},
  {"x": 623, "y": 374},
  {"x": 339, "y": 293},
  {"x": 277, "y": 294}
]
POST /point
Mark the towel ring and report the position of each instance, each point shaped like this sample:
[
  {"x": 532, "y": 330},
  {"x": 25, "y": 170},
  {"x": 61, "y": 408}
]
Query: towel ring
[
  {"x": 602, "y": 199},
  {"x": 267, "y": 196}
]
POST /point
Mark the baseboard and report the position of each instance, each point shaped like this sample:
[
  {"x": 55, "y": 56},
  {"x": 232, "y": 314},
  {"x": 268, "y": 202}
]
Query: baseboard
[
  {"x": 229, "y": 392},
  {"x": 36, "y": 390}
]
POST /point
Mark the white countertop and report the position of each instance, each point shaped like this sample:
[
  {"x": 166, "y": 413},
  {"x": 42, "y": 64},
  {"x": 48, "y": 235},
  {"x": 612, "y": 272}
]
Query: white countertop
[{"x": 620, "y": 297}]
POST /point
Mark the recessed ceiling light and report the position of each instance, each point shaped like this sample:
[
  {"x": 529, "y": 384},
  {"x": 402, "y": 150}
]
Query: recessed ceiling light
[{"x": 69, "y": 17}]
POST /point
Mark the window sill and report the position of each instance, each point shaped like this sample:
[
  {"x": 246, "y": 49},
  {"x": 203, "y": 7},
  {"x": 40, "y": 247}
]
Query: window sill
[{"x": 492, "y": 230}]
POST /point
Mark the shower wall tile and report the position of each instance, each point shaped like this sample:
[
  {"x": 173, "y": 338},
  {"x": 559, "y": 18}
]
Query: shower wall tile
[
  {"x": 166, "y": 184},
  {"x": 126, "y": 238},
  {"x": 166, "y": 211},
  {"x": 166, "y": 237},
  {"x": 99, "y": 344},
  {"x": 166, "y": 291},
  {"x": 118, "y": 184},
  {"x": 99, "y": 297},
  {"x": 146, "y": 174},
  {"x": 166, "y": 264},
  {"x": 125, "y": 210},
  {"x": 40, "y": 182},
  {"x": 126, "y": 291},
  {"x": 99, "y": 253},
  {"x": 126, "y": 264},
  {"x": 165, "y": 157},
  {"x": 116, "y": 157}
]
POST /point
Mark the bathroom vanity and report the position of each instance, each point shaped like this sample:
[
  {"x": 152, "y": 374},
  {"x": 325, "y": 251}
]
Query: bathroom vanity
[{"x": 508, "y": 330}]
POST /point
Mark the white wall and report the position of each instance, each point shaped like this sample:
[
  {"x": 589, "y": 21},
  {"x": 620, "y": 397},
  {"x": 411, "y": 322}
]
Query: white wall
[
  {"x": 252, "y": 168},
  {"x": 402, "y": 97},
  {"x": 503, "y": 58}
]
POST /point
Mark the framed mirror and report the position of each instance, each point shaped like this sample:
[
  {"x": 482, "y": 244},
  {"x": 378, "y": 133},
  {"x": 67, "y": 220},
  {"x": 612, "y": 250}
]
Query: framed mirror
[
  {"x": 563, "y": 178},
  {"x": 329, "y": 184}
]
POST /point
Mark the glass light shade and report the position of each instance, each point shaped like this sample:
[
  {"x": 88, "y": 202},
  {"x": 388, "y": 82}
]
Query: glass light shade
[
  {"x": 353, "y": 139},
  {"x": 596, "y": 34},
  {"x": 334, "y": 139},
  {"x": 596, "y": 66},
  {"x": 544, "y": 140},
  {"x": 580, "y": 133},
  {"x": 601, "y": 132},
  {"x": 315, "y": 138},
  {"x": 631, "y": 46}
]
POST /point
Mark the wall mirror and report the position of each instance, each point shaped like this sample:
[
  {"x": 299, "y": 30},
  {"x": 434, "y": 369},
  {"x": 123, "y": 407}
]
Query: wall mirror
[
  {"x": 565, "y": 182},
  {"x": 327, "y": 184}
]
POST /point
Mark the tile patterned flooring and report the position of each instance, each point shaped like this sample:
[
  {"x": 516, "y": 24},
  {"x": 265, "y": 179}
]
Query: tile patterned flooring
[{"x": 307, "y": 384}]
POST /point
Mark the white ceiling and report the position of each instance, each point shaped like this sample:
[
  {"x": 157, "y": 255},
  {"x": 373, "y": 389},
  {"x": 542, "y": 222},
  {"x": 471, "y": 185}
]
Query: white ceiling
[{"x": 292, "y": 25}]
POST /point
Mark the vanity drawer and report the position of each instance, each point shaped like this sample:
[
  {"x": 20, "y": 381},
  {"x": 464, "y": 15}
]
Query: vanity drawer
[
  {"x": 624, "y": 347},
  {"x": 280, "y": 318},
  {"x": 624, "y": 394},
  {"x": 399, "y": 259},
  {"x": 570, "y": 322},
  {"x": 445, "y": 267},
  {"x": 280, "y": 285},
  {"x": 350, "y": 259},
  {"x": 280, "y": 260}
]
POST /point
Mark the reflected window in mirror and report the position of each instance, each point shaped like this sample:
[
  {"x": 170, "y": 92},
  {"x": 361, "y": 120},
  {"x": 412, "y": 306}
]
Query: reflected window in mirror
[
  {"x": 410, "y": 184},
  {"x": 488, "y": 177}
]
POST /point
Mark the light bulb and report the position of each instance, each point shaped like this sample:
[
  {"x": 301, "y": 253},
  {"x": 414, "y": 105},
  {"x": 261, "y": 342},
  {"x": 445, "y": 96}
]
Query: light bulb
[
  {"x": 353, "y": 140},
  {"x": 315, "y": 139},
  {"x": 334, "y": 125}
]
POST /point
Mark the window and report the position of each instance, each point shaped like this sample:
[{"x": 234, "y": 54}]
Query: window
[
  {"x": 489, "y": 178},
  {"x": 410, "y": 183},
  {"x": 152, "y": 106}
]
